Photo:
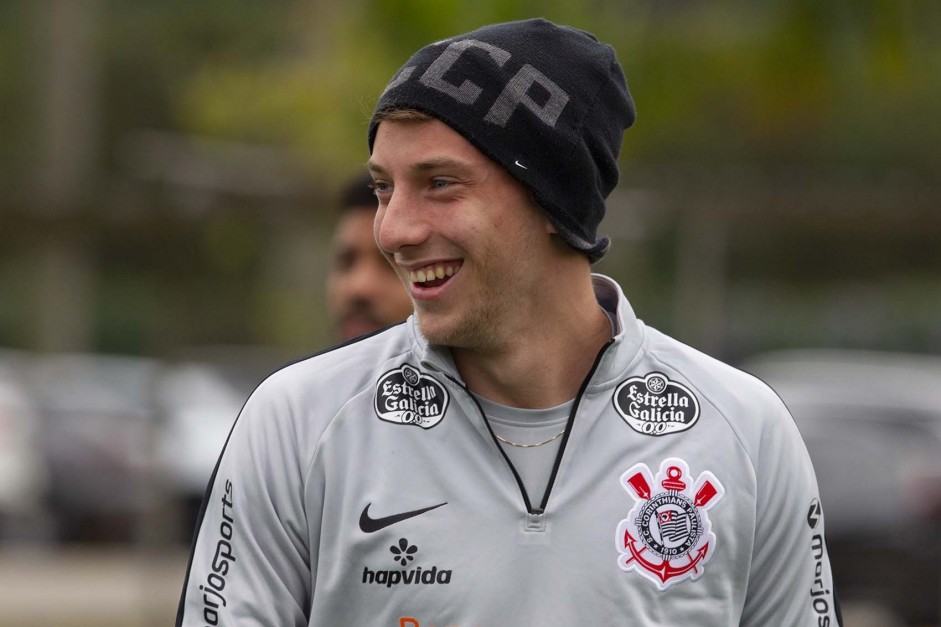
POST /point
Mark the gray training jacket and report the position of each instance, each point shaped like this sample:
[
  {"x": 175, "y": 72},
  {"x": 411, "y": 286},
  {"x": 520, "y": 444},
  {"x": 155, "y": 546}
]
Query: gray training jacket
[{"x": 364, "y": 487}]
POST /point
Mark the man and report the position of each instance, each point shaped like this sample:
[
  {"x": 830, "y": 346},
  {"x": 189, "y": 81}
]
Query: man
[
  {"x": 363, "y": 292},
  {"x": 523, "y": 451}
]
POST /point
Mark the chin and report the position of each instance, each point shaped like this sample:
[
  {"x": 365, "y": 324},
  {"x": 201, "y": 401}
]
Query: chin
[
  {"x": 438, "y": 330},
  {"x": 434, "y": 333},
  {"x": 454, "y": 333}
]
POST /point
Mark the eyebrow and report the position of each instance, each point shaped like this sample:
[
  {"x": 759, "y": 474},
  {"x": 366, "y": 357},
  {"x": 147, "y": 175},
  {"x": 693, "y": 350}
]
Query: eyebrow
[
  {"x": 422, "y": 166},
  {"x": 374, "y": 168}
]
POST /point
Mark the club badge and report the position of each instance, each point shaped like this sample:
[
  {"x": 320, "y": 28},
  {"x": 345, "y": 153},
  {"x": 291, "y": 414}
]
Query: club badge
[
  {"x": 667, "y": 536},
  {"x": 409, "y": 397},
  {"x": 655, "y": 405}
]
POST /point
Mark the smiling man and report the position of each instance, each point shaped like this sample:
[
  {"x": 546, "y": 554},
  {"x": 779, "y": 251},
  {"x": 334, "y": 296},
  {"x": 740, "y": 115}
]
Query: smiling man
[
  {"x": 523, "y": 450},
  {"x": 446, "y": 209}
]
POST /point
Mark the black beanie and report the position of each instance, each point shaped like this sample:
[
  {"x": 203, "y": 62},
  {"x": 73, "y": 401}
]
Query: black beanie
[{"x": 549, "y": 103}]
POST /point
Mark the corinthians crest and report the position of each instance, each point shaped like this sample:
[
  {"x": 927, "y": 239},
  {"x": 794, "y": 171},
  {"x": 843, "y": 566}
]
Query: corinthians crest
[
  {"x": 667, "y": 536},
  {"x": 409, "y": 397}
]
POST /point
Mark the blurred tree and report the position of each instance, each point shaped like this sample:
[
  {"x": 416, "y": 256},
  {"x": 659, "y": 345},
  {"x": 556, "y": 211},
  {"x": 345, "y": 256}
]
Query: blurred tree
[
  {"x": 742, "y": 108},
  {"x": 13, "y": 42},
  {"x": 783, "y": 81},
  {"x": 318, "y": 99}
]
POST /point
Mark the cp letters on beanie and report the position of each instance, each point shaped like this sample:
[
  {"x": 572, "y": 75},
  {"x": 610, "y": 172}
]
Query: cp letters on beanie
[{"x": 549, "y": 103}]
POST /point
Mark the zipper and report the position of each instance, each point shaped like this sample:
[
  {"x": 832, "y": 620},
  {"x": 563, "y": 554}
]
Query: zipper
[{"x": 538, "y": 511}]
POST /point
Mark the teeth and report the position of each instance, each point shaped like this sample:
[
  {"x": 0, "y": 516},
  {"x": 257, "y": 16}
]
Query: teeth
[{"x": 432, "y": 273}]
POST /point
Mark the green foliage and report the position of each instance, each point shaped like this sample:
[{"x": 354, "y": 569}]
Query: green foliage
[
  {"x": 823, "y": 85},
  {"x": 318, "y": 99},
  {"x": 788, "y": 81},
  {"x": 15, "y": 68},
  {"x": 152, "y": 50}
]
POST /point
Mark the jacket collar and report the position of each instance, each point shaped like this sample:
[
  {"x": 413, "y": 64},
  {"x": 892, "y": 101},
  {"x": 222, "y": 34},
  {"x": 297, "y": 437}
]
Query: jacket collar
[{"x": 627, "y": 342}]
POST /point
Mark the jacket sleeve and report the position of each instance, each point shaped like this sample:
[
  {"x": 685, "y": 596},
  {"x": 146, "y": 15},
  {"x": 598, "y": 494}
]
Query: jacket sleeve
[
  {"x": 251, "y": 564},
  {"x": 790, "y": 581}
]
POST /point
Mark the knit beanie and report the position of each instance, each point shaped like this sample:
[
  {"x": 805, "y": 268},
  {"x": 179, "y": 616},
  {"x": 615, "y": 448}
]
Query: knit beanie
[{"x": 549, "y": 103}]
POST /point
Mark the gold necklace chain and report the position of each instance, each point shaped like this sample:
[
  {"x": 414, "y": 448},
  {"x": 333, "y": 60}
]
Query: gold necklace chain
[{"x": 505, "y": 441}]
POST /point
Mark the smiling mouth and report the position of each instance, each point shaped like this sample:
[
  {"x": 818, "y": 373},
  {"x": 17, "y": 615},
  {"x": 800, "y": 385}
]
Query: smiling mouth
[{"x": 434, "y": 275}]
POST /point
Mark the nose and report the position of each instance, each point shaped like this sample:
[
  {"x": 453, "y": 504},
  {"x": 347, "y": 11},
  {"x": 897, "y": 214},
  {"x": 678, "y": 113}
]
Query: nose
[{"x": 400, "y": 222}]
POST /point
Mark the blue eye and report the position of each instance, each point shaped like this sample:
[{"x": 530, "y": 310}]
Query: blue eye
[{"x": 379, "y": 187}]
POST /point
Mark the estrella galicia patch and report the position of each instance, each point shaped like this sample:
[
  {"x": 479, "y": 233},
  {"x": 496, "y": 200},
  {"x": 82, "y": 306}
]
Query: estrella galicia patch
[
  {"x": 655, "y": 405},
  {"x": 407, "y": 396}
]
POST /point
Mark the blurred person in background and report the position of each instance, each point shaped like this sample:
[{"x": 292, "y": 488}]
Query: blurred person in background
[
  {"x": 524, "y": 451},
  {"x": 363, "y": 292}
]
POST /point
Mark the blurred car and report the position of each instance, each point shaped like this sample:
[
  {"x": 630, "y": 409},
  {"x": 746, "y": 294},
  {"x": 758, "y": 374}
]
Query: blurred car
[
  {"x": 23, "y": 476},
  {"x": 872, "y": 426},
  {"x": 96, "y": 417},
  {"x": 198, "y": 407},
  {"x": 120, "y": 448}
]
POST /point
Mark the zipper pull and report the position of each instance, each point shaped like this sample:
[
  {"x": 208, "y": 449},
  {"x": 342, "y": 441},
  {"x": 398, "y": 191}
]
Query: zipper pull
[{"x": 535, "y": 522}]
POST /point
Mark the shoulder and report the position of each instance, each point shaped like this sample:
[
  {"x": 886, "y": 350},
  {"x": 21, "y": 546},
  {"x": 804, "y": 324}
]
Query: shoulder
[
  {"x": 721, "y": 383},
  {"x": 311, "y": 391},
  {"x": 749, "y": 406}
]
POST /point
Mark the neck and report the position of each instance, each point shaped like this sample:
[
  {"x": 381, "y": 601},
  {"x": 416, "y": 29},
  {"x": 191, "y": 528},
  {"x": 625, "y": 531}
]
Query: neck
[{"x": 543, "y": 364}]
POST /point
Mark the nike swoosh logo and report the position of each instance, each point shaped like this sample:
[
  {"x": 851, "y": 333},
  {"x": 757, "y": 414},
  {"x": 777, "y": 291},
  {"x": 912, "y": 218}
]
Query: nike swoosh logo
[{"x": 371, "y": 525}]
